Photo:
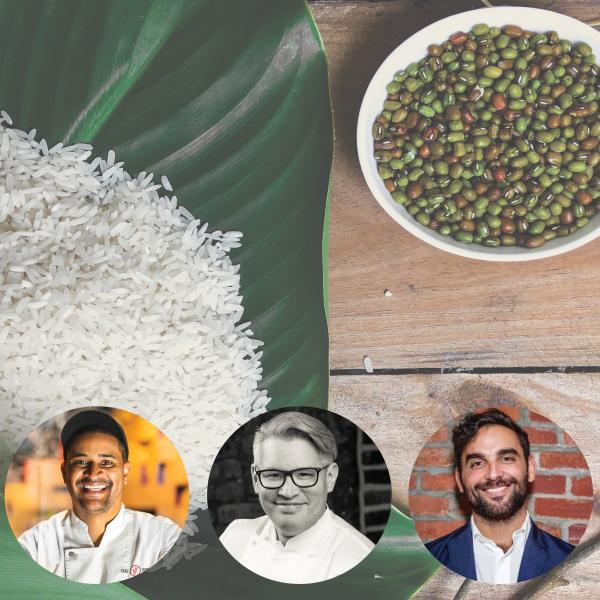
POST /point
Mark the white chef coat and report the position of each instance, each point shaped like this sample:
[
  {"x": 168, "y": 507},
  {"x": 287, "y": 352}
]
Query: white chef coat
[
  {"x": 327, "y": 549},
  {"x": 492, "y": 564},
  {"x": 132, "y": 542}
]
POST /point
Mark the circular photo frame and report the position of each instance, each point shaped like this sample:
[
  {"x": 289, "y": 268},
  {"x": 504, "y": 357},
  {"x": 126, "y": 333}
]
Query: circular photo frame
[
  {"x": 501, "y": 495},
  {"x": 97, "y": 495},
  {"x": 299, "y": 495}
]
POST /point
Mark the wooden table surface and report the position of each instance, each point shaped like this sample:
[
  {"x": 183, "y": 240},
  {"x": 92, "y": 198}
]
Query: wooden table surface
[{"x": 456, "y": 333}]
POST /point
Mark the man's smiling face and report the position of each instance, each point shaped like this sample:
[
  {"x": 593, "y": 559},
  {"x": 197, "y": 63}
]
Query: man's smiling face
[
  {"x": 293, "y": 509},
  {"x": 95, "y": 472},
  {"x": 494, "y": 473}
]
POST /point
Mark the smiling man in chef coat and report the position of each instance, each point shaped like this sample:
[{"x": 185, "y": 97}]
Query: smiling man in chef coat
[
  {"x": 98, "y": 540},
  {"x": 299, "y": 540}
]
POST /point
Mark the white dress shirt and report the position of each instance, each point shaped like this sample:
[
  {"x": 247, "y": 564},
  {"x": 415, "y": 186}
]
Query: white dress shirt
[
  {"x": 327, "y": 549},
  {"x": 132, "y": 542},
  {"x": 492, "y": 564}
]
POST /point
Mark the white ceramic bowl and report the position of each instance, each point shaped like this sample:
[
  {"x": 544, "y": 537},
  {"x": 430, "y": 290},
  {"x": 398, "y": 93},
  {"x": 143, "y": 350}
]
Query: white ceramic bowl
[{"x": 413, "y": 50}]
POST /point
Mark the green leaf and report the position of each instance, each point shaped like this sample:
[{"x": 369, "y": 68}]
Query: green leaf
[
  {"x": 395, "y": 570},
  {"x": 230, "y": 100}
]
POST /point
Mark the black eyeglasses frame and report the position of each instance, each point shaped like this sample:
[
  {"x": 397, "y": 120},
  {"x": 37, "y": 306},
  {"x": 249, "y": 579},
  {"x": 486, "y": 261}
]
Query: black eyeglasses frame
[{"x": 290, "y": 474}]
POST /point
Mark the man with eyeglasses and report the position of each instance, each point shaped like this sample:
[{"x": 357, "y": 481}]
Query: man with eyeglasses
[{"x": 299, "y": 540}]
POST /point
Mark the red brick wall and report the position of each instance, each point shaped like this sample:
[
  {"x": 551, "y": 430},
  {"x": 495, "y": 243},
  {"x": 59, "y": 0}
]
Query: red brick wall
[{"x": 560, "y": 499}]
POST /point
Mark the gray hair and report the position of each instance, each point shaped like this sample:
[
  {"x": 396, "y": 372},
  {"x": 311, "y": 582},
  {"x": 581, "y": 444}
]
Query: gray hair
[{"x": 295, "y": 425}]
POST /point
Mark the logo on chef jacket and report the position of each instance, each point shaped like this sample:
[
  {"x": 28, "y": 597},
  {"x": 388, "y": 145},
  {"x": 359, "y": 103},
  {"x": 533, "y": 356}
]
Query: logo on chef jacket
[{"x": 135, "y": 570}]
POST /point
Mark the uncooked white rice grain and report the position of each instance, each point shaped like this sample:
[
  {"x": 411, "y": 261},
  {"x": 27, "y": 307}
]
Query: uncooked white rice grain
[{"x": 111, "y": 294}]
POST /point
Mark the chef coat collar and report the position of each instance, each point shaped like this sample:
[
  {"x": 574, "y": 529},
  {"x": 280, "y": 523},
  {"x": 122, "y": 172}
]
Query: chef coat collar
[
  {"x": 113, "y": 529},
  {"x": 307, "y": 542}
]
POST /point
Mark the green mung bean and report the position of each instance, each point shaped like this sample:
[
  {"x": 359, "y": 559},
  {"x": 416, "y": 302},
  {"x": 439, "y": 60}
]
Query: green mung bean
[{"x": 493, "y": 137}]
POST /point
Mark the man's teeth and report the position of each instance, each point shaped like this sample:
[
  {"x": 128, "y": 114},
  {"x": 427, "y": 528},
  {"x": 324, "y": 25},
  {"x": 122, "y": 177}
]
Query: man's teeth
[{"x": 94, "y": 487}]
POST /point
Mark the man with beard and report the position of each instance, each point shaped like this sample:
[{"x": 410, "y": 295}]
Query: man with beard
[
  {"x": 98, "y": 540},
  {"x": 500, "y": 543}
]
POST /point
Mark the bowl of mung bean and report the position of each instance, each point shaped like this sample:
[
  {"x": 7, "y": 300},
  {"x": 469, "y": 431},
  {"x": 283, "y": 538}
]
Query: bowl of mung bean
[{"x": 480, "y": 134}]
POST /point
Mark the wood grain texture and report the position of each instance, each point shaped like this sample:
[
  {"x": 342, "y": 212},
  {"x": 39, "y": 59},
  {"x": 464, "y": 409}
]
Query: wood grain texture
[
  {"x": 445, "y": 311},
  {"x": 400, "y": 413}
]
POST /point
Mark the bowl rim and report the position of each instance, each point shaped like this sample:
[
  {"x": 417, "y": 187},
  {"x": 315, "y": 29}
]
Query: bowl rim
[{"x": 399, "y": 58}]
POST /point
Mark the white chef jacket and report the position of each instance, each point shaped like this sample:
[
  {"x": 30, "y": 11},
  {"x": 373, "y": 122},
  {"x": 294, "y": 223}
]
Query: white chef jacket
[
  {"x": 492, "y": 564},
  {"x": 327, "y": 549},
  {"x": 132, "y": 542}
]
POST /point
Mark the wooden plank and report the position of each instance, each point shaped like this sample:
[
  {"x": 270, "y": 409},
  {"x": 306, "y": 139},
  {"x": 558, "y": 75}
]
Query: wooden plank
[
  {"x": 445, "y": 310},
  {"x": 400, "y": 413}
]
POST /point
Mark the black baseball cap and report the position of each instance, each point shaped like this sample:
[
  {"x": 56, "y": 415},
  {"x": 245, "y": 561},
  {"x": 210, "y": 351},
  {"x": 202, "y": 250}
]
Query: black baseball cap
[{"x": 89, "y": 420}]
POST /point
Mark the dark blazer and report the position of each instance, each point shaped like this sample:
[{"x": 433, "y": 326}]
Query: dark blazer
[{"x": 542, "y": 552}]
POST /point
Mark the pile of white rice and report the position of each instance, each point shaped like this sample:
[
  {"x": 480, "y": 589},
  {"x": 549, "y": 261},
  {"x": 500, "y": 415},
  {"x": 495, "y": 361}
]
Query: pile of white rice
[{"x": 112, "y": 295}]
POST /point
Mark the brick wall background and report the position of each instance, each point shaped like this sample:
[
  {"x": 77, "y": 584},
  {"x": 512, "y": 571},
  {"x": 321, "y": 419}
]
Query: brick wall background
[
  {"x": 362, "y": 495},
  {"x": 560, "y": 499}
]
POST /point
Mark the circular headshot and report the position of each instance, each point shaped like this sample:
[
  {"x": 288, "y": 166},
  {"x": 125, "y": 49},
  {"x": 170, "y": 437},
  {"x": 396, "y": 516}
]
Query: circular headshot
[
  {"x": 96, "y": 495},
  {"x": 299, "y": 495},
  {"x": 501, "y": 495}
]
